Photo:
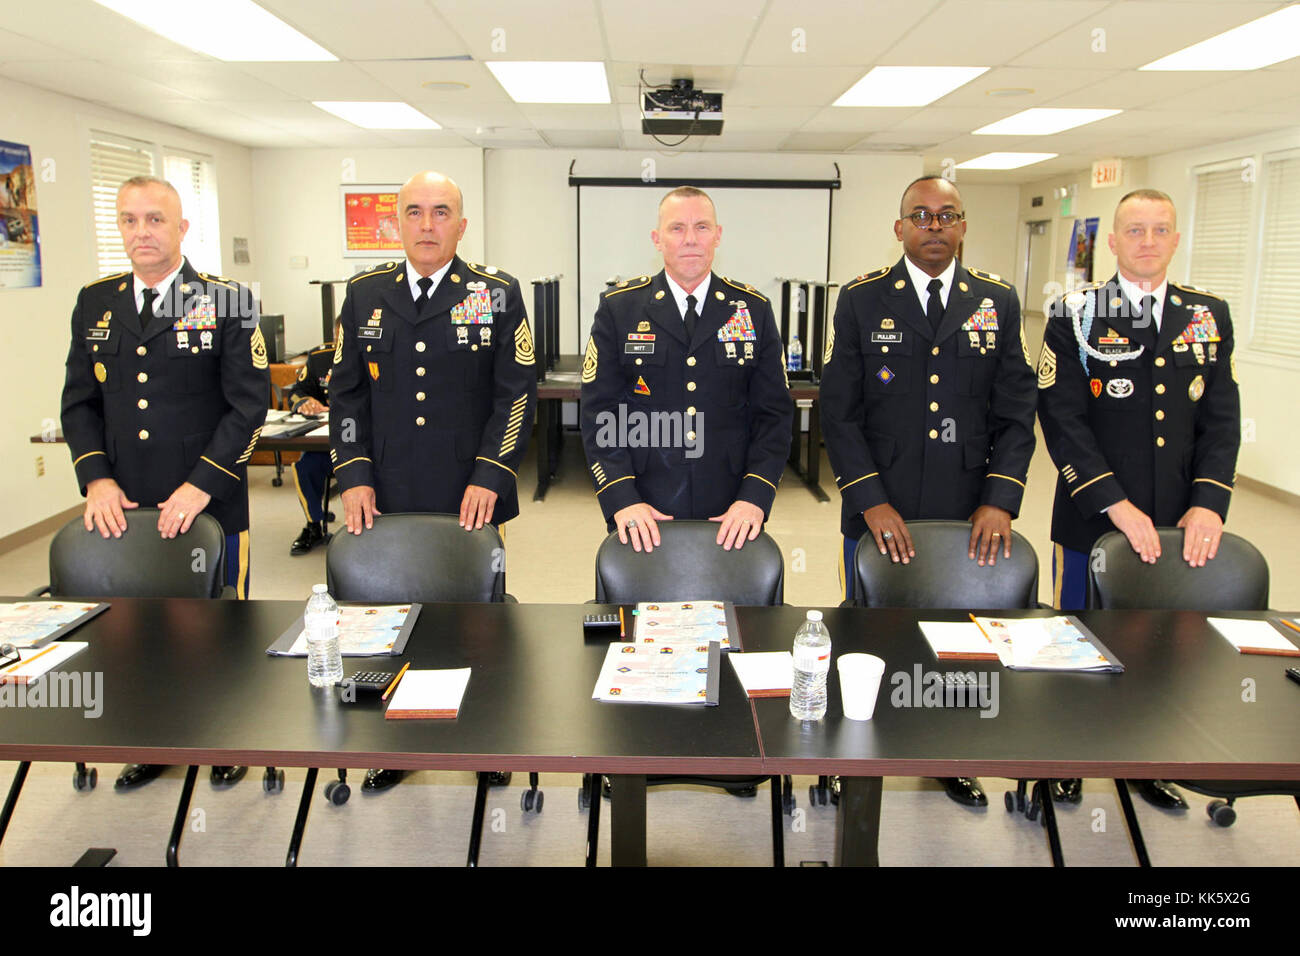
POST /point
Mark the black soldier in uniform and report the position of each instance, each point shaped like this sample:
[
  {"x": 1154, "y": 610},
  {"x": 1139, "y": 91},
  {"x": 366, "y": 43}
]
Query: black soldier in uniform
[
  {"x": 927, "y": 397},
  {"x": 433, "y": 390},
  {"x": 166, "y": 391},
  {"x": 1140, "y": 410},
  {"x": 310, "y": 395},
  {"x": 685, "y": 409}
]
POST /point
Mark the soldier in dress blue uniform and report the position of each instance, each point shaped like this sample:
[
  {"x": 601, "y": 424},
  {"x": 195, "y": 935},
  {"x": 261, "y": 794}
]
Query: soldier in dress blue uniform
[
  {"x": 433, "y": 390},
  {"x": 686, "y": 412},
  {"x": 927, "y": 397},
  {"x": 1140, "y": 410},
  {"x": 310, "y": 395},
  {"x": 166, "y": 391}
]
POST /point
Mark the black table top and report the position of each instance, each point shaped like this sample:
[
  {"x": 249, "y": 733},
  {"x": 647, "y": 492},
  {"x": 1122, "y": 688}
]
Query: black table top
[
  {"x": 187, "y": 681},
  {"x": 1176, "y": 711}
]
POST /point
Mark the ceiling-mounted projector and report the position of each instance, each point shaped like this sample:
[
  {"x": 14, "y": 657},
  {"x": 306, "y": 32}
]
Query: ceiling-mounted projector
[{"x": 681, "y": 110}]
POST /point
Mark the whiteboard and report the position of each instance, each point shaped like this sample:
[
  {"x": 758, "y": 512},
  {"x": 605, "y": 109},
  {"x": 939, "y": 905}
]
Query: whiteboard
[{"x": 766, "y": 234}]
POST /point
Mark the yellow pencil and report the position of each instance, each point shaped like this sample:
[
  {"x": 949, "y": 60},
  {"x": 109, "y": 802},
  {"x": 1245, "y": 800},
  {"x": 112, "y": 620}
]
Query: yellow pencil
[
  {"x": 622, "y": 625},
  {"x": 17, "y": 664},
  {"x": 395, "y": 680},
  {"x": 1293, "y": 627}
]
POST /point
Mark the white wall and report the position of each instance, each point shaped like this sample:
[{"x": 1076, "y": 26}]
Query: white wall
[
  {"x": 992, "y": 228},
  {"x": 36, "y": 321},
  {"x": 296, "y": 197},
  {"x": 1268, "y": 381}
]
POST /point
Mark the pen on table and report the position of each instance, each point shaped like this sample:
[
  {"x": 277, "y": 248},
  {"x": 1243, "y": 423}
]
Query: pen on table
[
  {"x": 622, "y": 624},
  {"x": 395, "y": 680}
]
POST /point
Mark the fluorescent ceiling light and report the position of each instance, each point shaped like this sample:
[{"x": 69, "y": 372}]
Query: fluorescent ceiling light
[
  {"x": 378, "y": 115},
  {"x": 235, "y": 30},
  {"x": 1005, "y": 160},
  {"x": 907, "y": 85},
  {"x": 552, "y": 82},
  {"x": 1042, "y": 122},
  {"x": 1261, "y": 42}
]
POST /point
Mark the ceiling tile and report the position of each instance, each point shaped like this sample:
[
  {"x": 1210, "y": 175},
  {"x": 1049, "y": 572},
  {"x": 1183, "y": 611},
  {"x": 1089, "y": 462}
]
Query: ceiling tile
[
  {"x": 582, "y": 139},
  {"x": 825, "y": 142},
  {"x": 832, "y": 32},
  {"x": 1042, "y": 84},
  {"x": 859, "y": 119},
  {"x": 387, "y": 29},
  {"x": 526, "y": 30},
  {"x": 319, "y": 81},
  {"x": 656, "y": 33},
  {"x": 407, "y": 80},
  {"x": 13, "y": 46},
  {"x": 1130, "y": 89},
  {"x": 979, "y": 33},
  {"x": 570, "y": 116},
  {"x": 91, "y": 81},
  {"x": 790, "y": 85}
]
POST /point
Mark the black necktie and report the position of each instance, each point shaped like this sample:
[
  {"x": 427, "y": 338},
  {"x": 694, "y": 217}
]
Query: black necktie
[
  {"x": 425, "y": 283},
  {"x": 146, "y": 307},
  {"x": 1149, "y": 314},
  {"x": 690, "y": 317},
  {"x": 934, "y": 305}
]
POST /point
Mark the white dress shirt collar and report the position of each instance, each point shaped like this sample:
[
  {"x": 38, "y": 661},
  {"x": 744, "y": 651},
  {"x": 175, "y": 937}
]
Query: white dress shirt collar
[
  {"x": 921, "y": 282},
  {"x": 680, "y": 294},
  {"x": 1135, "y": 294},
  {"x": 413, "y": 278},
  {"x": 161, "y": 288}
]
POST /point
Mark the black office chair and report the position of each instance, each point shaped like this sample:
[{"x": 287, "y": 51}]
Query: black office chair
[
  {"x": 689, "y": 565},
  {"x": 427, "y": 558},
  {"x": 139, "y": 564},
  {"x": 1235, "y": 580}
]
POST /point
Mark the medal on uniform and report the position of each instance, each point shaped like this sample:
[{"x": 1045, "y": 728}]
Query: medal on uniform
[
  {"x": 749, "y": 350},
  {"x": 1196, "y": 389},
  {"x": 886, "y": 323},
  {"x": 1180, "y": 346},
  {"x": 731, "y": 349},
  {"x": 1214, "y": 352},
  {"x": 990, "y": 339},
  {"x": 104, "y": 321},
  {"x": 182, "y": 340},
  {"x": 485, "y": 335},
  {"x": 462, "y": 335},
  {"x": 974, "y": 339},
  {"x": 205, "y": 339},
  {"x": 101, "y": 373},
  {"x": 643, "y": 326},
  {"x": 1199, "y": 351}
]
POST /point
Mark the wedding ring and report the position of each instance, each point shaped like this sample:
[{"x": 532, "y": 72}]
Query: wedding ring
[
  {"x": 887, "y": 535},
  {"x": 631, "y": 522}
]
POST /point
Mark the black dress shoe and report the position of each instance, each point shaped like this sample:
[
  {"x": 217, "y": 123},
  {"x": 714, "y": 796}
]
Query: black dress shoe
[
  {"x": 378, "y": 780},
  {"x": 135, "y": 774},
  {"x": 312, "y": 535},
  {"x": 1160, "y": 793},
  {"x": 965, "y": 790},
  {"x": 225, "y": 776},
  {"x": 1069, "y": 790}
]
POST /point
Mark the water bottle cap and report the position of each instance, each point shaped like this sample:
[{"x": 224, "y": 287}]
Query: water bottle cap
[
  {"x": 319, "y": 588},
  {"x": 814, "y": 615}
]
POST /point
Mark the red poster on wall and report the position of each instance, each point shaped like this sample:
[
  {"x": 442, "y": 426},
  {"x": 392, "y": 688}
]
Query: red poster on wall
[{"x": 370, "y": 228}]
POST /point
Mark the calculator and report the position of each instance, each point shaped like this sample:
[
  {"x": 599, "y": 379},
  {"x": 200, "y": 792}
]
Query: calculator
[
  {"x": 596, "y": 625},
  {"x": 372, "y": 681}
]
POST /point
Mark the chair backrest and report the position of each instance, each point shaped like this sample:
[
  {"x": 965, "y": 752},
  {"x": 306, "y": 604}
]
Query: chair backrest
[
  {"x": 1235, "y": 580},
  {"x": 417, "y": 557},
  {"x": 141, "y": 563},
  {"x": 942, "y": 575},
  {"x": 689, "y": 565}
]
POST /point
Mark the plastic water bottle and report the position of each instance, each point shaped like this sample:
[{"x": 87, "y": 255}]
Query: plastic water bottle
[
  {"x": 324, "y": 662},
  {"x": 794, "y": 359},
  {"x": 812, "y": 662}
]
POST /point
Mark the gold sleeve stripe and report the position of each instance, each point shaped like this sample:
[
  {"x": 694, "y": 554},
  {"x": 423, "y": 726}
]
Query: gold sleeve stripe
[
  {"x": 874, "y": 474},
  {"x": 350, "y": 461},
  {"x": 589, "y": 362},
  {"x": 1024, "y": 346},
  {"x": 614, "y": 482},
  {"x": 338, "y": 347},
  {"x": 248, "y": 452},
  {"x": 88, "y": 454},
  {"x": 492, "y": 461},
  {"x": 1091, "y": 481},
  {"x": 760, "y": 478},
  {"x": 1005, "y": 478},
  {"x": 218, "y": 467},
  {"x": 830, "y": 344},
  {"x": 1213, "y": 482}
]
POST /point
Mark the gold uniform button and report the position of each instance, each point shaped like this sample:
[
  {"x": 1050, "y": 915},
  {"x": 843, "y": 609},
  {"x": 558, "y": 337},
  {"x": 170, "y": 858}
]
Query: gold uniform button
[
  {"x": 690, "y": 386},
  {"x": 1160, "y": 442},
  {"x": 934, "y": 406},
  {"x": 691, "y": 410},
  {"x": 1160, "y": 389},
  {"x": 638, "y": 361},
  {"x": 983, "y": 351},
  {"x": 473, "y": 348},
  {"x": 1160, "y": 414},
  {"x": 194, "y": 349},
  {"x": 934, "y": 379},
  {"x": 934, "y": 433},
  {"x": 690, "y": 436},
  {"x": 419, "y": 396},
  {"x": 690, "y": 360},
  {"x": 1160, "y": 362},
  {"x": 143, "y": 403},
  {"x": 141, "y": 350},
  {"x": 420, "y": 371},
  {"x": 884, "y": 350},
  {"x": 935, "y": 350},
  {"x": 741, "y": 362},
  {"x": 420, "y": 420},
  {"x": 142, "y": 377},
  {"x": 370, "y": 348},
  {"x": 144, "y": 434},
  {"x": 1114, "y": 364},
  {"x": 419, "y": 346},
  {"x": 94, "y": 348}
]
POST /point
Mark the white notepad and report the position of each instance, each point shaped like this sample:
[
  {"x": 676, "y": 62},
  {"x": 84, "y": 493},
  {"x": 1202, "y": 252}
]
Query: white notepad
[
  {"x": 958, "y": 640},
  {"x": 1254, "y": 637},
  {"x": 764, "y": 673},
  {"x": 424, "y": 694},
  {"x": 35, "y": 664}
]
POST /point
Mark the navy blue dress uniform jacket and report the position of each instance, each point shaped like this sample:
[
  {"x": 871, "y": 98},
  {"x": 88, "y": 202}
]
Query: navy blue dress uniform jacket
[
  {"x": 1160, "y": 428},
  {"x": 181, "y": 400},
  {"x": 314, "y": 377},
  {"x": 934, "y": 424},
  {"x": 715, "y": 412},
  {"x": 431, "y": 398}
]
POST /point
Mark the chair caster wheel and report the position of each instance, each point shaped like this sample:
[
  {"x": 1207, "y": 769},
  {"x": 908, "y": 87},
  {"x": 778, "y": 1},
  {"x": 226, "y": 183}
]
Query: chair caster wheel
[
  {"x": 1009, "y": 799},
  {"x": 277, "y": 482},
  {"x": 744, "y": 793},
  {"x": 788, "y": 803},
  {"x": 272, "y": 780},
  {"x": 85, "y": 779},
  {"x": 817, "y": 796},
  {"x": 530, "y": 801},
  {"x": 1031, "y": 811},
  {"x": 337, "y": 792},
  {"x": 1221, "y": 813}
]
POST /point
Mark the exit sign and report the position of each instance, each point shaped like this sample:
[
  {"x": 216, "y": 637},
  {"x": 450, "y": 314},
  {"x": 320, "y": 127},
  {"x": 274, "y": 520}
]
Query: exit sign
[{"x": 1107, "y": 172}]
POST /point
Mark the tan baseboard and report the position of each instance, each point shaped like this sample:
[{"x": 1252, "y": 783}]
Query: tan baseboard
[
  {"x": 1269, "y": 491},
  {"x": 39, "y": 530}
]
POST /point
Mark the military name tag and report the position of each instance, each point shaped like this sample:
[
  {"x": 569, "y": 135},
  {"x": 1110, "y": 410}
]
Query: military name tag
[
  {"x": 638, "y": 348},
  {"x": 887, "y": 337},
  {"x": 99, "y": 335},
  {"x": 369, "y": 333}
]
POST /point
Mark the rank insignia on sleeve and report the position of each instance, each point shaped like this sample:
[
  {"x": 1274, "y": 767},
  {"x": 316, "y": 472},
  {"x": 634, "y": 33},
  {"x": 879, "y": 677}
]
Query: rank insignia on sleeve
[
  {"x": 524, "y": 344},
  {"x": 589, "y": 362},
  {"x": 1095, "y": 385},
  {"x": 641, "y": 387},
  {"x": 885, "y": 375},
  {"x": 1046, "y": 367},
  {"x": 257, "y": 346}
]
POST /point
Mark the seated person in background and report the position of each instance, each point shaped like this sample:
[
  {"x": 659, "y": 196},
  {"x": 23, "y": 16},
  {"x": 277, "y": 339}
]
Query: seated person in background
[{"x": 311, "y": 472}]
